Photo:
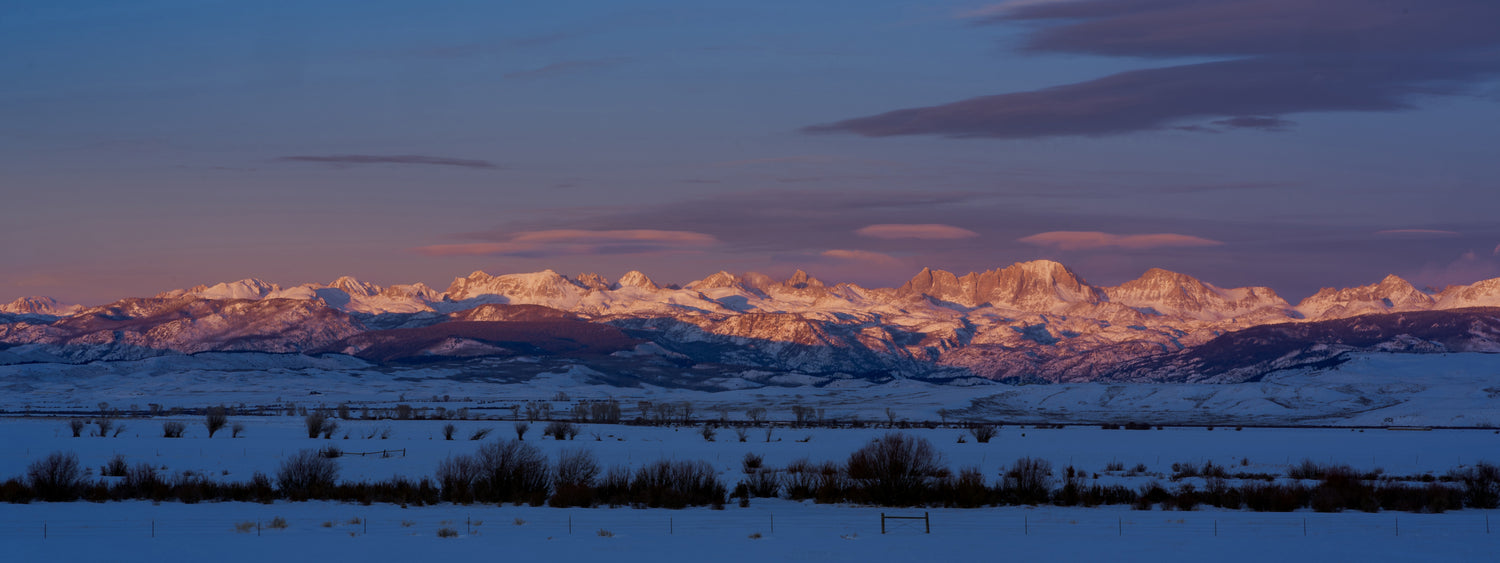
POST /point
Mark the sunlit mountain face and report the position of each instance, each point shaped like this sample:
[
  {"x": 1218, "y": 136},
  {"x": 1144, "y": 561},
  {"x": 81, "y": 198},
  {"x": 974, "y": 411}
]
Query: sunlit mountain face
[{"x": 1032, "y": 321}]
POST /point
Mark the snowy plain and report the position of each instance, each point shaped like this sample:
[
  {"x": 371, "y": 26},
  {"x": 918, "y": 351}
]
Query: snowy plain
[{"x": 1350, "y": 405}]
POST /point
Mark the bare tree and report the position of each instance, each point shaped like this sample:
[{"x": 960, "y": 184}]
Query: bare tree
[
  {"x": 741, "y": 433},
  {"x": 104, "y": 425},
  {"x": 237, "y": 430},
  {"x": 521, "y": 428},
  {"x": 448, "y": 430},
  {"x": 215, "y": 418},
  {"x": 890, "y": 417},
  {"x": 756, "y": 415},
  {"x": 77, "y": 425}
]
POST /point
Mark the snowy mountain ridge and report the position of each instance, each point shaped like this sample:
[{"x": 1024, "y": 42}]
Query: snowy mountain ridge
[{"x": 1034, "y": 321}]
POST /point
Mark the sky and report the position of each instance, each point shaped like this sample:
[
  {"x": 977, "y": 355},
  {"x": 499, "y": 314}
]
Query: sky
[{"x": 153, "y": 145}]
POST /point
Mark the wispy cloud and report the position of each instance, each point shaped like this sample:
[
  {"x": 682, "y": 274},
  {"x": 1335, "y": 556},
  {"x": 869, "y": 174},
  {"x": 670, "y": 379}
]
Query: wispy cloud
[
  {"x": 861, "y": 256},
  {"x": 1255, "y": 122},
  {"x": 1085, "y": 240},
  {"x": 566, "y": 67},
  {"x": 1420, "y": 232},
  {"x": 930, "y": 231},
  {"x": 562, "y": 242},
  {"x": 1341, "y": 55},
  {"x": 344, "y": 160}
]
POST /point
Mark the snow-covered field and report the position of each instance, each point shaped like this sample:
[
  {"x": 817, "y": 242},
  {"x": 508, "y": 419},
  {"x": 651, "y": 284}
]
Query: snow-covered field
[
  {"x": 1437, "y": 390},
  {"x": 1374, "y": 390},
  {"x": 790, "y": 530}
]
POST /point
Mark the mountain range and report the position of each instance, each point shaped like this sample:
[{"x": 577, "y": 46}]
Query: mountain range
[{"x": 1033, "y": 321}]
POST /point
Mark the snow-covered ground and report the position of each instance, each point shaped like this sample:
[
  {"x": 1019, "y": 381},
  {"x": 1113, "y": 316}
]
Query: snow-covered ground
[
  {"x": 788, "y": 532},
  {"x": 1374, "y": 390},
  {"x": 1438, "y": 390}
]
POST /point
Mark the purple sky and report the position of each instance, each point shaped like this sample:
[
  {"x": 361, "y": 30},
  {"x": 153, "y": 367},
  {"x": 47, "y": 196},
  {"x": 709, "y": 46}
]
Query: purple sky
[{"x": 160, "y": 144}]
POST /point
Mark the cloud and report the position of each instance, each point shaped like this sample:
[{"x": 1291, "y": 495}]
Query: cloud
[
  {"x": 1255, "y": 122},
  {"x": 861, "y": 256},
  {"x": 563, "y": 242},
  {"x": 1084, "y": 240},
  {"x": 1420, "y": 232},
  {"x": 922, "y": 231},
  {"x": 1278, "y": 57},
  {"x": 342, "y": 160},
  {"x": 566, "y": 67}
]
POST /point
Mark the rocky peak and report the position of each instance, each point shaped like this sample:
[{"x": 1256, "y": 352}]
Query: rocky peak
[
  {"x": 532, "y": 287},
  {"x": 800, "y": 280},
  {"x": 635, "y": 278},
  {"x": 354, "y": 287},
  {"x": 39, "y": 305},
  {"x": 720, "y": 279},
  {"x": 1391, "y": 294},
  {"x": 593, "y": 281}
]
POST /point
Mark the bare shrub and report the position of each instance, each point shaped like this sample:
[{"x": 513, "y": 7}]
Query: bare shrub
[
  {"x": 521, "y": 428},
  {"x": 244, "y": 527},
  {"x": 172, "y": 429},
  {"x": 480, "y": 434},
  {"x": 329, "y": 427},
  {"x": 1481, "y": 485},
  {"x": 741, "y": 433},
  {"x": 277, "y": 523},
  {"x": 57, "y": 477},
  {"x": 77, "y": 425},
  {"x": 708, "y": 432},
  {"x": 115, "y": 468},
  {"x": 896, "y": 468},
  {"x": 677, "y": 484},
  {"x": 512, "y": 471},
  {"x": 603, "y": 533},
  {"x": 560, "y": 430},
  {"x": 1028, "y": 481},
  {"x": 456, "y": 476},
  {"x": 331, "y": 451},
  {"x": 307, "y": 474},
  {"x": 214, "y": 419},
  {"x": 447, "y": 533},
  {"x": 236, "y": 430},
  {"x": 983, "y": 432},
  {"x": 448, "y": 430},
  {"x": 314, "y": 421},
  {"x": 751, "y": 463},
  {"x": 756, "y": 415},
  {"x": 105, "y": 425},
  {"x": 574, "y": 479}
]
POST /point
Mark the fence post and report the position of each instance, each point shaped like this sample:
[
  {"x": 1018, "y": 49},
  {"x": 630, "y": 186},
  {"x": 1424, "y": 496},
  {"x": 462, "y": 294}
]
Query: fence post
[
  {"x": 1120, "y": 523},
  {"x": 44, "y": 529},
  {"x": 570, "y": 524},
  {"x": 882, "y": 522},
  {"x": 1398, "y": 526},
  {"x": 153, "y": 528},
  {"x": 773, "y": 522},
  {"x": 671, "y": 527},
  {"x": 1216, "y": 528},
  {"x": 927, "y": 520},
  {"x": 1025, "y": 525},
  {"x": 1304, "y": 527}
]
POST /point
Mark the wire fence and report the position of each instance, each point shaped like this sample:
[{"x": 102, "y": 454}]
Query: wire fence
[{"x": 732, "y": 522}]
